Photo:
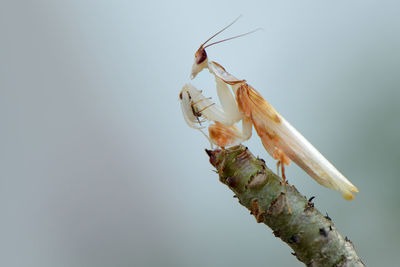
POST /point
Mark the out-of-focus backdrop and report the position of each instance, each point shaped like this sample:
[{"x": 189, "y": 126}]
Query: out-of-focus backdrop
[{"x": 98, "y": 168}]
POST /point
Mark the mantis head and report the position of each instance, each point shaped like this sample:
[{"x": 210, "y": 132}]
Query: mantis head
[{"x": 200, "y": 61}]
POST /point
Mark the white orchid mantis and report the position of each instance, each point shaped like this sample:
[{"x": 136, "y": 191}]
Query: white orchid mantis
[{"x": 281, "y": 140}]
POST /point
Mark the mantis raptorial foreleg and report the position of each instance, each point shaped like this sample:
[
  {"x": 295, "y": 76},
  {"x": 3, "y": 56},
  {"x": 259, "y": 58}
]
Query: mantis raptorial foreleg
[
  {"x": 194, "y": 105},
  {"x": 228, "y": 102},
  {"x": 198, "y": 109}
]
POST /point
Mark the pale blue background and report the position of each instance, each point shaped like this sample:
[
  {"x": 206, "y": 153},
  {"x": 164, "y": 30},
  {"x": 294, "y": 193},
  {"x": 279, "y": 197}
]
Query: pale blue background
[{"x": 98, "y": 168}]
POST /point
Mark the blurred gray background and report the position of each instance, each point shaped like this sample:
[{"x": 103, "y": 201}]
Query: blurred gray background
[{"x": 98, "y": 168}]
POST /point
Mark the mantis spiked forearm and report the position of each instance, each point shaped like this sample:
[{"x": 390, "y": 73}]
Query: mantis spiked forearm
[{"x": 292, "y": 217}]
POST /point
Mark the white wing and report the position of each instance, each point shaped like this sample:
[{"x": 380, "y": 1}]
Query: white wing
[{"x": 277, "y": 134}]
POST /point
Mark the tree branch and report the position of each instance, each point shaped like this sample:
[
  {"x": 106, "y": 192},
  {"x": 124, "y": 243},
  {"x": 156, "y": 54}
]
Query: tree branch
[{"x": 312, "y": 236}]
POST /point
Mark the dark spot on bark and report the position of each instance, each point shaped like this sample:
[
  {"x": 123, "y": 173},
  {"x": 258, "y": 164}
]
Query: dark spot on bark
[
  {"x": 310, "y": 205},
  {"x": 212, "y": 155},
  {"x": 262, "y": 163},
  {"x": 293, "y": 253},
  {"x": 327, "y": 217},
  {"x": 232, "y": 181},
  {"x": 235, "y": 196},
  {"x": 330, "y": 228},
  {"x": 256, "y": 211},
  {"x": 309, "y": 208},
  {"x": 348, "y": 240},
  {"x": 323, "y": 232},
  {"x": 294, "y": 239},
  {"x": 276, "y": 233},
  {"x": 263, "y": 166}
]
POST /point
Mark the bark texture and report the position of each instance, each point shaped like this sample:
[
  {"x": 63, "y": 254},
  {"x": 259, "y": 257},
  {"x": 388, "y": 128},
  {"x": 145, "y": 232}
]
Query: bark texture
[{"x": 293, "y": 218}]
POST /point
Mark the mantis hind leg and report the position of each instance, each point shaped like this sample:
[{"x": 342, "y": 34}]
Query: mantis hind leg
[
  {"x": 283, "y": 172},
  {"x": 281, "y": 163},
  {"x": 278, "y": 164}
]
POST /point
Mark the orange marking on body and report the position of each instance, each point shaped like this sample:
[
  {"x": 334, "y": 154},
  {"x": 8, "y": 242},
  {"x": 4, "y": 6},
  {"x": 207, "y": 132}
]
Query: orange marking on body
[
  {"x": 255, "y": 107},
  {"x": 281, "y": 156},
  {"x": 250, "y": 101},
  {"x": 221, "y": 134}
]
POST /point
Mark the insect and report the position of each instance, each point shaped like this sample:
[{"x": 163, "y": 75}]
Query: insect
[{"x": 243, "y": 103}]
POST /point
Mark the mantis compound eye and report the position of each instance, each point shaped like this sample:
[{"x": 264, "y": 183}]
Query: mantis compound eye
[{"x": 200, "y": 55}]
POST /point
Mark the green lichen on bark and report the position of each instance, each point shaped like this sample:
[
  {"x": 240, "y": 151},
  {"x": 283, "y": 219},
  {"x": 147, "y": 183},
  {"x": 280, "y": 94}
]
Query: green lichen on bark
[{"x": 292, "y": 217}]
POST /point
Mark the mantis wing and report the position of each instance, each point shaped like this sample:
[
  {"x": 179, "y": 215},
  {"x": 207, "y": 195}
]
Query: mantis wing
[{"x": 279, "y": 137}]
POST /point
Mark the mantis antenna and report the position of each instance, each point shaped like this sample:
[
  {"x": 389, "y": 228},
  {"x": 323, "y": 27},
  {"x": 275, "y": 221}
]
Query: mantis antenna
[
  {"x": 230, "y": 38},
  {"x": 234, "y": 37}
]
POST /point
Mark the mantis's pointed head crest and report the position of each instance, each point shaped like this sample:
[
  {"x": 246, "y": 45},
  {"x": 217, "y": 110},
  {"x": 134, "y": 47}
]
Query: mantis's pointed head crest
[{"x": 200, "y": 61}]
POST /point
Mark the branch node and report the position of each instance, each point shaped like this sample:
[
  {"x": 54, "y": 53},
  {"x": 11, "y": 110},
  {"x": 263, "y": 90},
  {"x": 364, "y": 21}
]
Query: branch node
[
  {"x": 277, "y": 205},
  {"x": 257, "y": 180}
]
